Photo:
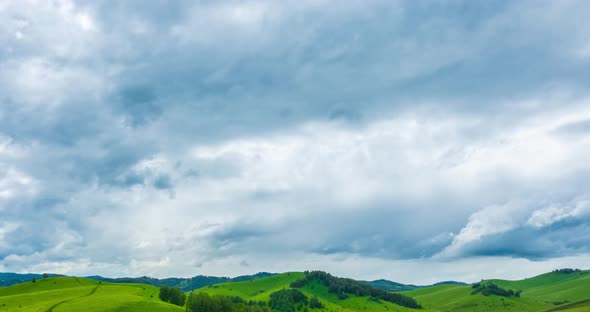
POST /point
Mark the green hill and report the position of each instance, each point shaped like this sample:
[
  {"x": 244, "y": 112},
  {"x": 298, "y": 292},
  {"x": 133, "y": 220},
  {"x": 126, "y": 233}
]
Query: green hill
[
  {"x": 261, "y": 289},
  {"x": 65, "y": 294},
  {"x": 547, "y": 292}
]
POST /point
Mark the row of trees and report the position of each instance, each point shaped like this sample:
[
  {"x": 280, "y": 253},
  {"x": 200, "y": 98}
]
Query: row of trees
[
  {"x": 203, "y": 302},
  {"x": 343, "y": 287},
  {"x": 286, "y": 300},
  {"x": 567, "y": 271}
]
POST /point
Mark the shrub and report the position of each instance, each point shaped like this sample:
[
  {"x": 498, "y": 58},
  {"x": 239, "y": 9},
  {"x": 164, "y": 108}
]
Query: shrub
[
  {"x": 488, "y": 289},
  {"x": 315, "y": 303}
]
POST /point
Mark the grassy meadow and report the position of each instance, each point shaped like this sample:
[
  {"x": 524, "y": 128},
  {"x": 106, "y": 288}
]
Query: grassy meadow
[
  {"x": 73, "y": 294},
  {"x": 547, "y": 292}
]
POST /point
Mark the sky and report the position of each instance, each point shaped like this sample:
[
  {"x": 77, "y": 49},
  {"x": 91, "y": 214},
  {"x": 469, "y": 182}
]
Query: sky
[{"x": 416, "y": 141}]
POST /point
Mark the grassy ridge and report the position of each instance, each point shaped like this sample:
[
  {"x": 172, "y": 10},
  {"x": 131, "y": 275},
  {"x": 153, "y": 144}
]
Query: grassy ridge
[
  {"x": 65, "y": 294},
  {"x": 262, "y": 288},
  {"x": 259, "y": 289}
]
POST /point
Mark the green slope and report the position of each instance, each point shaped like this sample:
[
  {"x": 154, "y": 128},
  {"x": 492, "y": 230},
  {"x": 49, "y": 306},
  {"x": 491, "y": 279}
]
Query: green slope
[
  {"x": 259, "y": 289},
  {"x": 551, "y": 291},
  {"x": 262, "y": 288},
  {"x": 64, "y": 294}
]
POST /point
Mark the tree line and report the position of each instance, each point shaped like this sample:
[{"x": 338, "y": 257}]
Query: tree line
[
  {"x": 567, "y": 271},
  {"x": 203, "y": 302},
  {"x": 172, "y": 295},
  {"x": 285, "y": 300}
]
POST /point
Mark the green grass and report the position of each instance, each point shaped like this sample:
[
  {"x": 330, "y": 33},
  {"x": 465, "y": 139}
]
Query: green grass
[
  {"x": 69, "y": 294},
  {"x": 543, "y": 293},
  {"x": 567, "y": 292},
  {"x": 259, "y": 289}
]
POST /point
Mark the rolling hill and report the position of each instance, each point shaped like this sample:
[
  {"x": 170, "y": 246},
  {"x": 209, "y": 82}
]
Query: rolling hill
[
  {"x": 8, "y": 279},
  {"x": 65, "y": 294},
  {"x": 188, "y": 284},
  {"x": 261, "y": 289},
  {"x": 547, "y": 292},
  {"x": 555, "y": 291}
]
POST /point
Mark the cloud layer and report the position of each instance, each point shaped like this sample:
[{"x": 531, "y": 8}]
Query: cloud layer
[{"x": 230, "y": 137}]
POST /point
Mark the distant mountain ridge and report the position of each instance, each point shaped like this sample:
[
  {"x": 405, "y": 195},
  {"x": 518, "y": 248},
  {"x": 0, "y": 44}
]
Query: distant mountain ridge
[
  {"x": 388, "y": 285},
  {"x": 8, "y": 279},
  {"x": 199, "y": 281},
  {"x": 186, "y": 284}
]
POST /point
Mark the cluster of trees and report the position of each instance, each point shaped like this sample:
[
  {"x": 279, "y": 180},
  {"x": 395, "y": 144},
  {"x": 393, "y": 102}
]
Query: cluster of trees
[
  {"x": 343, "y": 287},
  {"x": 315, "y": 303},
  {"x": 567, "y": 271},
  {"x": 488, "y": 289},
  {"x": 287, "y": 300},
  {"x": 34, "y": 279},
  {"x": 172, "y": 295},
  {"x": 202, "y": 302},
  {"x": 291, "y": 300}
]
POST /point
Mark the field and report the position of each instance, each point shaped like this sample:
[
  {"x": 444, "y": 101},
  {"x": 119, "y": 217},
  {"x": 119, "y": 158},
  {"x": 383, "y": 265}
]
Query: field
[
  {"x": 568, "y": 292},
  {"x": 63, "y": 294}
]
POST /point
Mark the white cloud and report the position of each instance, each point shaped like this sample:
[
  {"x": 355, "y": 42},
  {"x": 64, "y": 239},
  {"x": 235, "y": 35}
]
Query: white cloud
[
  {"x": 547, "y": 216},
  {"x": 39, "y": 83},
  {"x": 487, "y": 221},
  {"x": 15, "y": 184}
]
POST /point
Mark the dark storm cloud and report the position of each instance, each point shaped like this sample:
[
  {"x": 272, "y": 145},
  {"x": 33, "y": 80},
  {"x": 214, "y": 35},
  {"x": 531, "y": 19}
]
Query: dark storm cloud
[
  {"x": 569, "y": 236},
  {"x": 163, "y": 182},
  {"x": 274, "y": 78},
  {"x": 139, "y": 104},
  {"x": 384, "y": 232}
]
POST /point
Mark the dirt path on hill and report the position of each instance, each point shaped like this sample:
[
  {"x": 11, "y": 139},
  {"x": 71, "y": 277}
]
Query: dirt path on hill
[{"x": 62, "y": 302}]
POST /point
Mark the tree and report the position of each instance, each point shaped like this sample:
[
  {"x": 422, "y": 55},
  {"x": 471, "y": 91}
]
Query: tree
[
  {"x": 34, "y": 280},
  {"x": 172, "y": 295},
  {"x": 45, "y": 275}
]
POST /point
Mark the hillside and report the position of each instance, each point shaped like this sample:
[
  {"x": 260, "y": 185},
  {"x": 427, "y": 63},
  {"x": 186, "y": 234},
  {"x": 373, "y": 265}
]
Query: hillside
[
  {"x": 79, "y": 294},
  {"x": 555, "y": 291},
  {"x": 547, "y": 292},
  {"x": 261, "y": 289}
]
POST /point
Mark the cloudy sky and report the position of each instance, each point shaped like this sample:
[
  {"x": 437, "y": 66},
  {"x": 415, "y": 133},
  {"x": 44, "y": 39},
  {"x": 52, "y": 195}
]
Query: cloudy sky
[{"x": 414, "y": 141}]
